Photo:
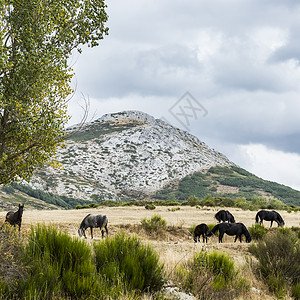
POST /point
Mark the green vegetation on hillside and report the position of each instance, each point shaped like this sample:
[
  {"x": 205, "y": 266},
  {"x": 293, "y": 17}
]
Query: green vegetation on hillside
[
  {"x": 231, "y": 182},
  {"x": 97, "y": 129},
  {"x": 59, "y": 201}
]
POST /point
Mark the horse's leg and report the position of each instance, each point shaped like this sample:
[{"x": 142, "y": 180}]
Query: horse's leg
[
  {"x": 92, "y": 232},
  {"x": 235, "y": 238},
  {"x": 106, "y": 229},
  {"x": 271, "y": 223},
  {"x": 221, "y": 237},
  {"x": 102, "y": 232},
  {"x": 83, "y": 230}
]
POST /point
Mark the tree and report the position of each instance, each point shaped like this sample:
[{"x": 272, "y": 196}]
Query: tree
[{"x": 37, "y": 38}]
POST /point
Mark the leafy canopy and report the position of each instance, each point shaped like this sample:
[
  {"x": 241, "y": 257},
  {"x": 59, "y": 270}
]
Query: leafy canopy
[{"x": 37, "y": 38}]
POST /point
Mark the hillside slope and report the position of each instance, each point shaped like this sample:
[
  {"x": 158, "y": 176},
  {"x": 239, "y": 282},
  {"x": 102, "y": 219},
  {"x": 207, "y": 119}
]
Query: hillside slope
[{"x": 125, "y": 154}]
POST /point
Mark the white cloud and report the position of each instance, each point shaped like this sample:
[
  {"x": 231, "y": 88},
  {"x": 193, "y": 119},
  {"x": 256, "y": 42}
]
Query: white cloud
[{"x": 270, "y": 164}]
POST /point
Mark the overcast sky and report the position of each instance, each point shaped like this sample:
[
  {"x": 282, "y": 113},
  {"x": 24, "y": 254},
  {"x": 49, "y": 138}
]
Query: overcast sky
[{"x": 227, "y": 71}]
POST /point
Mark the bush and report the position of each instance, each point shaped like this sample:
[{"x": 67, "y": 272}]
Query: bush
[
  {"x": 278, "y": 255},
  {"x": 150, "y": 206},
  {"x": 191, "y": 201},
  {"x": 174, "y": 209},
  {"x": 156, "y": 224},
  {"x": 59, "y": 266},
  {"x": 211, "y": 276},
  {"x": 127, "y": 260},
  {"x": 258, "y": 231},
  {"x": 11, "y": 270}
]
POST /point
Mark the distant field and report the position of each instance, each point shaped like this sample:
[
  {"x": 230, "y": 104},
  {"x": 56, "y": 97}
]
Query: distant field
[{"x": 185, "y": 217}]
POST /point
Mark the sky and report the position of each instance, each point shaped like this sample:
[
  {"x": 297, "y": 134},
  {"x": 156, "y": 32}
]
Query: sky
[{"x": 226, "y": 71}]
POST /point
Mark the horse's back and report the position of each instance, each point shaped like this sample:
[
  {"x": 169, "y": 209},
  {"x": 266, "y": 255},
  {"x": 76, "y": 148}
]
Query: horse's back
[
  {"x": 201, "y": 228},
  {"x": 102, "y": 220},
  {"x": 231, "y": 228},
  {"x": 9, "y": 216}
]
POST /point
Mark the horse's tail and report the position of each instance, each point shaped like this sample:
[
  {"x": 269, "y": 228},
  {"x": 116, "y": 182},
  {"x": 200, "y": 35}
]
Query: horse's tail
[
  {"x": 257, "y": 217},
  {"x": 217, "y": 216},
  {"x": 216, "y": 228}
]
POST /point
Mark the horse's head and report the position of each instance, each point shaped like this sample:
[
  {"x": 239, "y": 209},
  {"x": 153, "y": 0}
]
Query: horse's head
[
  {"x": 248, "y": 239},
  {"x": 281, "y": 224},
  {"x": 80, "y": 232},
  {"x": 21, "y": 207}
]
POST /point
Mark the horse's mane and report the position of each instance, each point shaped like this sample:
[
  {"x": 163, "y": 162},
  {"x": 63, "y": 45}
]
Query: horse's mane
[{"x": 83, "y": 221}]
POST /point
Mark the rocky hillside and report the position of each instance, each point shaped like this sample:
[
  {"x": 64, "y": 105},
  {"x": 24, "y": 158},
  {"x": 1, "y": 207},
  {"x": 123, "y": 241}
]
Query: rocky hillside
[{"x": 127, "y": 154}]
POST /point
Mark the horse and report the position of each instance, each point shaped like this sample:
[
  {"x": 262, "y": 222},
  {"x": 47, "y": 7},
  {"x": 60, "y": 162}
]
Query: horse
[
  {"x": 93, "y": 221},
  {"x": 201, "y": 229},
  {"x": 15, "y": 218},
  {"x": 269, "y": 216},
  {"x": 237, "y": 229},
  {"x": 224, "y": 215}
]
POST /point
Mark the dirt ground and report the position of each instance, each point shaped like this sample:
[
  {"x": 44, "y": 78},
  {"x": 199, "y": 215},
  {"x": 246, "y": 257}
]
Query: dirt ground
[{"x": 176, "y": 245}]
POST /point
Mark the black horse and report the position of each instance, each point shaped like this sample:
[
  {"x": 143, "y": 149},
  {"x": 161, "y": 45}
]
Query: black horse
[
  {"x": 237, "y": 229},
  {"x": 93, "y": 221},
  {"x": 15, "y": 218},
  {"x": 201, "y": 229},
  {"x": 269, "y": 216},
  {"x": 224, "y": 215}
]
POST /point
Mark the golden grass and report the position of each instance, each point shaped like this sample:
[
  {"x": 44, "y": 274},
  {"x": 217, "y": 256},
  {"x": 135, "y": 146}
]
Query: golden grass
[{"x": 176, "y": 245}]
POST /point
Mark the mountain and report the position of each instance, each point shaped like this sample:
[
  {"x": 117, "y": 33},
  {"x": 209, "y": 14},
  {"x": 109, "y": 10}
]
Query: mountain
[
  {"x": 123, "y": 155},
  {"x": 132, "y": 156}
]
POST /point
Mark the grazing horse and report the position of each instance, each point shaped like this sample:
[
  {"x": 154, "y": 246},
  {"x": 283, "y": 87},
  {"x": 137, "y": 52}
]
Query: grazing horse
[
  {"x": 201, "y": 229},
  {"x": 269, "y": 216},
  {"x": 15, "y": 218},
  {"x": 224, "y": 215},
  {"x": 237, "y": 229},
  {"x": 93, "y": 221}
]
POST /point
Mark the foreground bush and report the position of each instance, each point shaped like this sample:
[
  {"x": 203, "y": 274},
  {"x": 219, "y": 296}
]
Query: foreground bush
[
  {"x": 59, "y": 266},
  {"x": 11, "y": 270},
  {"x": 278, "y": 255},
  {"x": 53, "y": 265},
  {"x": 127, "y": 260},
  {"x": 211, "y": 276}
]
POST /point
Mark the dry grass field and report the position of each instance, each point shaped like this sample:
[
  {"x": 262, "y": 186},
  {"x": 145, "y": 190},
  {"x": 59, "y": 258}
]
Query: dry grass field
[{"x": 176, "y": 245}]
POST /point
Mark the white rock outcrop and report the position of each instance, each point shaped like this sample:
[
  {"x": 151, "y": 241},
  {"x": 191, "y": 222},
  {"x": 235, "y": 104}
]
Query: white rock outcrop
[{"x": 141, "y": 157}]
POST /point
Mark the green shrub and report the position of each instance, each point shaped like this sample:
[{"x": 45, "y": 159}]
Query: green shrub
[
  {"x": 174, "y": 209},
  {"x": 126, "y": 259},
  {"x": 59, "y": 265},
  {"x": 150, "y": 206},
  {"x": 296, "y": 290},
  {"x": 191, "y": 201},
  {"x": 156, "y": 224},
  {"x": 211, "y": 276},
  {"x": 257, "y": 231},
  {"x": 278, "y": 255},
  {"x": 11, "y": 269}
]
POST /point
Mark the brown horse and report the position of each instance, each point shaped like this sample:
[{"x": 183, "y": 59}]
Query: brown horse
[{"x": 15, "y": 218}]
